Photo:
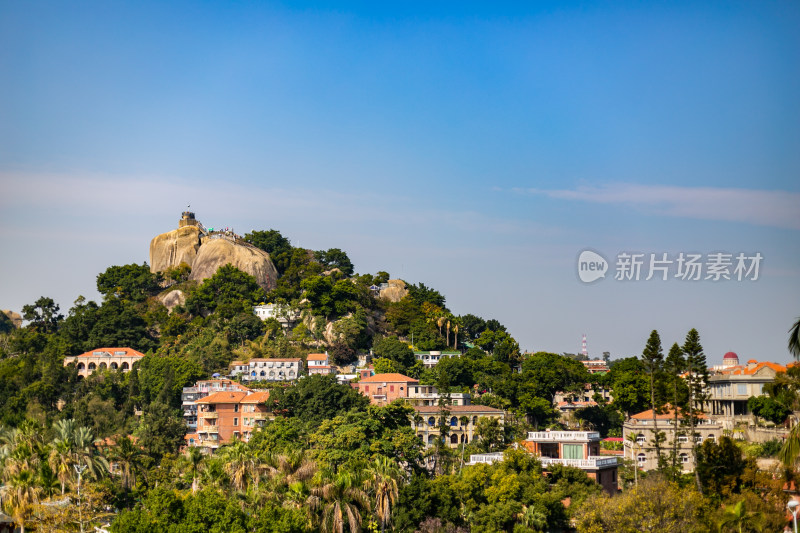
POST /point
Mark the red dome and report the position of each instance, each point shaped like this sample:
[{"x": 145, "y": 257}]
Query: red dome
[{"x": 730, "y": 355}]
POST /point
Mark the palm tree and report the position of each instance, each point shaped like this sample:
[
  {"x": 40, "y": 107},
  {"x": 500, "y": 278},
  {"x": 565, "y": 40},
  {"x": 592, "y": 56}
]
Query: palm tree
[
  {"x": 61, "y": 462},
  {"x": 194, "y": 457},
  {"x": 85, "y": 453},
  {"x": 794, "y": 340},
  {"x": 382, "y": 476},
  {"x": 238, "y": 464},
  {"x": 128, "y": 456},
  {"x": 341, "y": 500},
  {"x": 19, "y": 494},
  {"x": 735, "y": 517}
]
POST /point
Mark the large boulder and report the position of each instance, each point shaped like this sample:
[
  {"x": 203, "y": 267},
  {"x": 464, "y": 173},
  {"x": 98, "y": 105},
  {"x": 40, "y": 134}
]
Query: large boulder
[
  {"x": 15, "y": 318},
  {"x": 215, "y": 253},
  {"x": 174, "y": 247},
  {"x": 395, "y": 290},
  {"x": 172, "y": 299}
]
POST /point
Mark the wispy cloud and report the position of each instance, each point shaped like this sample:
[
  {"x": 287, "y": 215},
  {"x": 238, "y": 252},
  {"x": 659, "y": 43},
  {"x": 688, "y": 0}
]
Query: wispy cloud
[{"x": 760, "y": 207}]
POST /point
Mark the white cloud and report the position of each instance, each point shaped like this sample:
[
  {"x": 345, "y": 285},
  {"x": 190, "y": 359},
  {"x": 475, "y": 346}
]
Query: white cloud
[{"x": 779, "y": 209}]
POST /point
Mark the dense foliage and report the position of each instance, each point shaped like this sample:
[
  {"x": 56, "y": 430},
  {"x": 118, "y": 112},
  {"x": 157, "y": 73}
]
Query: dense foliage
[{"x": 330, "y": 461}]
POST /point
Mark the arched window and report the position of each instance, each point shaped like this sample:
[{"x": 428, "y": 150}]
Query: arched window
[
  {"x": 102, "y": 366},
  {"x": 271, "y": 374},
  {"x": 291, "y": 374},
  {"x": 125, "y": 366},
  {"x": 640, "y": 459},
  {"x": 713, "y": 439},
  {"x": 253, "y": 373},
  {"x": 453, "y": 439},
  {"x": 464, "y": 439},
  {"x": 114, "y": 366},
  {"x": 431, "y": 439},
  {"x": 454, "y": 421},
  {"x": 474, "y": 420},
  {"x": 262, "y": 374},
  {"x": 640, "y": 439},
  {"x": 684, "y": 458},
  {"x": 431, "y": 421},
  {"x": 81, "y": 366},
  {"x": 92, "y": 366}
]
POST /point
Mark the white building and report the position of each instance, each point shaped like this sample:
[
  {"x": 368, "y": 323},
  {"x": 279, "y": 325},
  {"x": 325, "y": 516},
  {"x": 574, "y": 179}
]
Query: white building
[
  {"x": 430, "y": 359},
  {"x": 286, "y": 316},
  {"x": 319, "y": 363},
  {"x": 273, "y": 369}
]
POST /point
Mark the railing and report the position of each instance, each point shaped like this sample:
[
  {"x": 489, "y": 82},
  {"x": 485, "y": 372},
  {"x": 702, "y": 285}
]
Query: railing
[
  {"x": 485, "y": 458},
  {"x": 208, "y": 415},
  {"x": 591, "y": 462},
  {"x": 563, "y": 435}
]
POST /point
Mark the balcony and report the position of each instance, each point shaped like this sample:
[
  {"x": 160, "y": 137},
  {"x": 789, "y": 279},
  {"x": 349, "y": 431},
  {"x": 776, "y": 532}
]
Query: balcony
[
  {"x": 208, "y": 429},
  {"x": 485, "y": 458},
  {"x": 562, "y": 436},
  {"x": 587, "y": 464},
  {"x": 210, "y": 415}
]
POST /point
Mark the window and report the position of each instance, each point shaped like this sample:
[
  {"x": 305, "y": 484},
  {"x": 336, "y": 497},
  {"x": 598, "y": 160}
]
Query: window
[
  {"x": 453, "y": 421},
  {"x": 684, "y": 458},
  {"x": 474, "y": 420},
  {"x": 698, "y": 438},
  {"x": 640, "y": 459},
  {"x": 573, "y": 451},
  {"x": 366, "y": 388},
  {"x": 236, "y": 408},
  {"x": 713, "y": 439},
  {"x": 741, "y": 389},
  {"x": 431, "y": 421},
  {"x": 640, "y": 439},
  {"x": 391, "y": 388},
  {"x": 235, "y": 422},
  {"x": 453, "y": 439},
  {"x": 683, "y": 438}
]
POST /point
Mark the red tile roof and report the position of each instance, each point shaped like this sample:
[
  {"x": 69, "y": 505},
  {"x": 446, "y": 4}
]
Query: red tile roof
[
  {"x": 667, "y": 414},
  {"x": 256, "y": 397},
  {"x": 392, "y": 377},
  {"x": 316, "y": 357},
  {"x": 475, "y": 409},
  {"x": 223, "y": 397},
  {"x": 129, "y": 352},
  {"x": 744, "y": 370}
]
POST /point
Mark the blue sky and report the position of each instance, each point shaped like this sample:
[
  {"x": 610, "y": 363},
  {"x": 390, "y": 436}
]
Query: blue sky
[{"x": 476, "y": 148}]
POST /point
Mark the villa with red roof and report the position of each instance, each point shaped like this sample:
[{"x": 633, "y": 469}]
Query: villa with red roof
[
  {"x": 319, "y": 363},
  {"x": 643, "y": 450},
  {"x": 732, "y": 384},
  {"x": 104, "y": 358},
  {"x": 382, "y": 389},
  {"x": 228, "y": 415}
]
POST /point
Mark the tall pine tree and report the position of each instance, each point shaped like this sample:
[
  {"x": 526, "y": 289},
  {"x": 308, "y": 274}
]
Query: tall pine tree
[
  {"x": 697, "y": 381},
  {"x": 653, "y": 361},
  {"x": 674, "y": 366}
]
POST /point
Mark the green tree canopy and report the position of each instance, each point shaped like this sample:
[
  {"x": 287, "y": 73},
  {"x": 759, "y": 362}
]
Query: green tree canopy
[{"x": 130, "y": 282}]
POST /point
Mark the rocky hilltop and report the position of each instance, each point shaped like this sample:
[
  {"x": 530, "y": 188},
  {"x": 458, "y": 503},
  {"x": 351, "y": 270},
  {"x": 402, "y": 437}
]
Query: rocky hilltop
[{"x": 207, "y": 250}]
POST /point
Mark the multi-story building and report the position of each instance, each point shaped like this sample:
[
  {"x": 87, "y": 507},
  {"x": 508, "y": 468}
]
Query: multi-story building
[
  {"x": 104, "y": 358},
  {"x": 461, "y": 421},
  {"x": 643, "y": 450},
  {"x": 382, "y": 389},
  {"x": 272, "y": 369},
  {"x": 319, "y": 363},
  {"x": 225, "y": 416},
  {"x": 732, "y": 384},
  {"x": 201, "y": 389},
  {"x": 430, "y": 359},
  {"x": 596, "y": 366},
  {"x": 578, "y": 449},
  {"x": 286, "y": 316},
  {"x": 430, "y": 395}
]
